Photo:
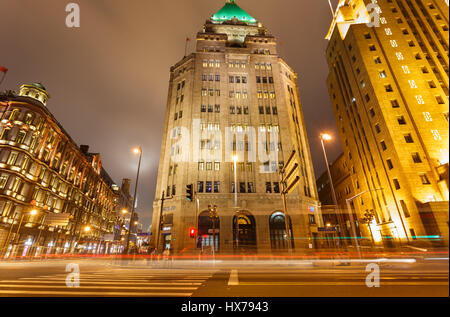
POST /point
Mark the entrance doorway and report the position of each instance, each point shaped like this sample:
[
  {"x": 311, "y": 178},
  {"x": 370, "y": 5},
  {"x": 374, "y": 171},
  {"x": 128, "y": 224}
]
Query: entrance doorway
[
  {"x": 277, "y": 227},
  {"x": 244, "y": 232}
]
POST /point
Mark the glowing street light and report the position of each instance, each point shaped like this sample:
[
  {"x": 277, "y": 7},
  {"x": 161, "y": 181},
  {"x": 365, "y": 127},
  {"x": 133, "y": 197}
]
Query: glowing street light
[
  {"x": 124, "y": 211},
  {"x": 87, "y": 229},
  {"x": 327, "y": 137},
  {"x": 235, "y": 158},
  {"x": 137, "y": 150}
]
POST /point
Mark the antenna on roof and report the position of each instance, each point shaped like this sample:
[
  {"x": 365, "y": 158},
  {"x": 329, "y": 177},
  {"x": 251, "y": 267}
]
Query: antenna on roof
[{"x": 331, "y": 8}]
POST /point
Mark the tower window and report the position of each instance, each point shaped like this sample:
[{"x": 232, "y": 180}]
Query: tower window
[
  {"x": 424, "y": 179},
  {"x": 395, "y": 104},
  {"x": 389, "y": 164},
  {"x": 405, "y": 209},
  {"x": 408, "y": 138},
  {"x": 416, "y": 157}
]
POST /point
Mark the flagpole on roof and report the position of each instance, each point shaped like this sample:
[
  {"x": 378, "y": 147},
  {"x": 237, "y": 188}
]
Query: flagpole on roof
[
  {"x": 185, "y": 46},
  {"x": 4, "y": 71}
]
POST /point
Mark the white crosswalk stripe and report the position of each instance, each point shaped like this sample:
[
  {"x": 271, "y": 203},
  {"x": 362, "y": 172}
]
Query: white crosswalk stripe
[{"x": 120, "y": 282}]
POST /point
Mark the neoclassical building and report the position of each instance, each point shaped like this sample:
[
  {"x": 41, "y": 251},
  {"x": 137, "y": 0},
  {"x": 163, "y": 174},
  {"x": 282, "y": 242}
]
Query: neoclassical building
[
  {"x": 234, "y": 102},
  {"x": 56, "y": 195}
]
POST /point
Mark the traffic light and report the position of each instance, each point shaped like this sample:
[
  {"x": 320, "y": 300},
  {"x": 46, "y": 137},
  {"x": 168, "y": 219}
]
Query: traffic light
[
  {"x": 192, "y": 232},
  {"x": 189, "y": 192}
]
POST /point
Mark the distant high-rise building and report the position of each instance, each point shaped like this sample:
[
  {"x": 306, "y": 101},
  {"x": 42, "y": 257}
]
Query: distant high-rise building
[
  {"x": 234, "y": 96},
  {"x": 388, "y": 83}
]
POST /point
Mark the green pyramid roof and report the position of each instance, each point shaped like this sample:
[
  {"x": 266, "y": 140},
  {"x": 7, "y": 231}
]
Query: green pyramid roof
[{"x": 231, "y": 10}]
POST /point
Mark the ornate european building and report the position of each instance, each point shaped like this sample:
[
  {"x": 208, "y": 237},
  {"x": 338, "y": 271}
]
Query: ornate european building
[
  {"x": 389, "y": 86},
  {"x": 233, "y": 97},
  {"x": 56, "y": 195}
]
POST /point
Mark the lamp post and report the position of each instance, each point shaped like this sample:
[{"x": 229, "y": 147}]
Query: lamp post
[
  {"x": 235, "y": 158},
  {"x": 137, "y": 150},
  {"x": 86, "y": 229},
  {"x": 158, "y": 229},
  {"x": 327, "y": 137},
  {"x": 213, "y": 216}
]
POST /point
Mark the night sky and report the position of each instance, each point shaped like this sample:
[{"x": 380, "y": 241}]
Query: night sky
[{"x": 108, "y": 79}]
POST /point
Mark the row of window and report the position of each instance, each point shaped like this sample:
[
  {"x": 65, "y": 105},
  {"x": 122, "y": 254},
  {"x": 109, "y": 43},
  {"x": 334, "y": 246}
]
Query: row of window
[
  {"x": 264, "y": 80},
  {"x": 237, "y": 94},
  {"x": 423, "y": 178},
  {"x": 236, "y": 64}
]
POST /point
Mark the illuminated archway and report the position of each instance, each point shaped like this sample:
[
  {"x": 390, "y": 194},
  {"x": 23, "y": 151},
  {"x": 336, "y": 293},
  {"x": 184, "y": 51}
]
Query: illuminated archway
[
  {"x": 277, "y": 228},
  {"x": 244, "y": 231}
]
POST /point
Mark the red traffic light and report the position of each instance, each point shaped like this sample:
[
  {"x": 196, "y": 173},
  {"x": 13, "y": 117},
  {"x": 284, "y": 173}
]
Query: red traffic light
[{"x": 192, "y": 232}]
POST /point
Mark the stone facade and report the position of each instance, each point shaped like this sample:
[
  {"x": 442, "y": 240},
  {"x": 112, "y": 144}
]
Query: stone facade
[
  {"x": 388, "y": 84},
  {"x": 234, "y": 80},
  {"x": 43, "y": 171}
]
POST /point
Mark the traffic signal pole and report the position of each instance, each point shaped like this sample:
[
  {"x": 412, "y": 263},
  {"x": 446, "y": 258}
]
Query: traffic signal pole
[{"x": 159, "y": 223}]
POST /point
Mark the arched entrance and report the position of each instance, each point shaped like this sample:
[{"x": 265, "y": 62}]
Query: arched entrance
[
  {"x": 277, "y": 227},
  {"x": 244, "y": 232},
  {"x": 208, "y": 231}
]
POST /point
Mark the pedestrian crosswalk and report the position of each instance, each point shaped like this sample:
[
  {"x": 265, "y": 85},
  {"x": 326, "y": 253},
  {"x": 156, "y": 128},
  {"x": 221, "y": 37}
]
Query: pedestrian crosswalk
[{"x": 114, "y": 282}]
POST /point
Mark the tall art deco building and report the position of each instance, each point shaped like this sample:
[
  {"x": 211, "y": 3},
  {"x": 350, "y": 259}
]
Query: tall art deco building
[
  {"x": 234, "y": 96},
  {"x": 389, "y": 86}
]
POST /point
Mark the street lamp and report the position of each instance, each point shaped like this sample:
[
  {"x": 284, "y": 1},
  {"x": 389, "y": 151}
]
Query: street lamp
[
  {"x": 327, "y": 137},
  {"x": 137, "y": 150},
  {"x": 235, "y": 158},
  {"x": 213, "y": 216}
]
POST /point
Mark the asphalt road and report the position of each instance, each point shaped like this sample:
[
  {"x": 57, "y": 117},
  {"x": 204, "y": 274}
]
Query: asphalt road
[{"x": 403, "y": 277}]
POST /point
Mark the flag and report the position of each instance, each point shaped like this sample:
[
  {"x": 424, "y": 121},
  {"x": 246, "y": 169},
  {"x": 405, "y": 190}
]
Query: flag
[
  {"x": 3, "y": 69},
  {"x": 188, "y": 39},
  {"x": 281, "y": 43}
]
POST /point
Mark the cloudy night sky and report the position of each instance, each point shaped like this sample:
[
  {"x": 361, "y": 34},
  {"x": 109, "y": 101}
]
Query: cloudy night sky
[{"x": 108, "y": 79}]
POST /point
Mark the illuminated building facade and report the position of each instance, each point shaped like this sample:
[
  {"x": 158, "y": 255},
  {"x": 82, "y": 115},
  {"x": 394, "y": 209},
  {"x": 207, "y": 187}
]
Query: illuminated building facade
[
  {"x": 234, "y": 81},
  {"x": 388, "y": 82},
  {"x": 43, "y": 171}
]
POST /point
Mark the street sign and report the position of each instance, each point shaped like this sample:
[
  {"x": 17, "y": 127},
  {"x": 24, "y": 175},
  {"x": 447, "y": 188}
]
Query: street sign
[
  {"x": 57, "y": 220},
  {"x": 108, "y": 237},
  {"x": 327, "y": 229},
  {"x": 290, "y": 173}
]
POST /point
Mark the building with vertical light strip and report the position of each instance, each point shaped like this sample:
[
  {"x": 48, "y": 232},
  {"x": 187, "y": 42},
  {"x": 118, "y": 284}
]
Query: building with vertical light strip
[
  {"x": 389, "y": 86},
  {"x": 234, "y": 80}
]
